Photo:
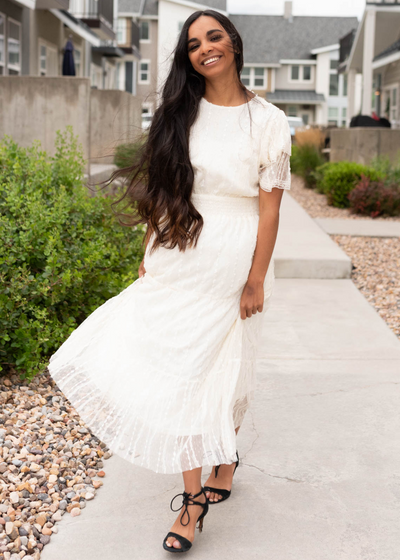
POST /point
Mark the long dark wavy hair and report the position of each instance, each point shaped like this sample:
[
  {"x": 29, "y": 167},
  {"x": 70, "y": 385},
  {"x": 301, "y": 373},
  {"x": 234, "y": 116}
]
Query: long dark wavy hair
[{"x": 160, "y": 181}]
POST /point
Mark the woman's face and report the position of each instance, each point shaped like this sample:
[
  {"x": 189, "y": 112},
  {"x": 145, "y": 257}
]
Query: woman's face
[{"x": 210, "y": 48}]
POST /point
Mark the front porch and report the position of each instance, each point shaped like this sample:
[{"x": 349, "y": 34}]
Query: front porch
[{"x": 306, "y": 104}]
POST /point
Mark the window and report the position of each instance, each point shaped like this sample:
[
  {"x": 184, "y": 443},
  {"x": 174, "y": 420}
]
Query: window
[
  {"x": 144, "y": 72},
  {"x": 344, "y": 116},
  {"x": 14, "y": 47},
  {"x": 246, "y": 76},
  {"x": 299, "y": 73},
  {"x": 259, "y": 78},
  {"x": 306, "y": 73},
  {"x": 47, "y": 59},
  {"x": 334, "y": 64},
  {"x": 333, "y": 84},
  {"x": 345, "y": 78},
  {"x": 295, "y": 72},
  {"x": 292, "y": 111},
  {"x": 254, "y": 77},
  {"x": 333, "y": 115},
  {"x": 78, "y": 61},
  {"x": 121, "y": 31},
  {"x": 180, "y": 25},
  {"x": 145, "y": 31},
  {"x": 2, "y": 43}
]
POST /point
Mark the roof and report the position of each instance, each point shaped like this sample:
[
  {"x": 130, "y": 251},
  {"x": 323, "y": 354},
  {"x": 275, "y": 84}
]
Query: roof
[
  {"x": 295, "y": 96},
  {"x": 150, "y": 8},
  {"x": 394, "y": 47},
  {"x": 216, "y": 4},
  {"x": 129, "y": 6},
  {"x": 273, "y": 38}
]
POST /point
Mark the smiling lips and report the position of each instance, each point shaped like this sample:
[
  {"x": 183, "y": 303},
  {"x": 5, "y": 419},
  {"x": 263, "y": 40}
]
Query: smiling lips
[{"x": 211, "y": 60}]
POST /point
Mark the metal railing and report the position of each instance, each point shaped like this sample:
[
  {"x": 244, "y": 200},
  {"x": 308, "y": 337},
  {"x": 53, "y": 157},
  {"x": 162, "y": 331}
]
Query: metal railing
[{"x": 93, "y": 9}]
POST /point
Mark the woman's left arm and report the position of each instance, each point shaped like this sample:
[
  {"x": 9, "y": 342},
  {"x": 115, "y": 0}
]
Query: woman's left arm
[{"x": 252, "y": 300}]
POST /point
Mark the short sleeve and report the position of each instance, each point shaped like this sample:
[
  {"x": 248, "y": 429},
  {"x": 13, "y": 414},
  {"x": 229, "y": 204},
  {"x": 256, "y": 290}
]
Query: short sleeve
[{"x": 275, "y": 152}]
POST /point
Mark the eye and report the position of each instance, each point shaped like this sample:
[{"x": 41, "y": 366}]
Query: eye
[{"x": 216, "y": 37}]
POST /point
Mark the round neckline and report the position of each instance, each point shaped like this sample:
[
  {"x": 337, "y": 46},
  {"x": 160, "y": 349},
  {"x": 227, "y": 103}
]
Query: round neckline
[{"x": 230, "y": 106}]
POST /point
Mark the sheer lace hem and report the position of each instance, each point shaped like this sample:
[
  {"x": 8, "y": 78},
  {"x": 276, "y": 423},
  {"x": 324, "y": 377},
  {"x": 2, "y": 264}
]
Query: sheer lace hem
[{"x": 277, "y": 174}]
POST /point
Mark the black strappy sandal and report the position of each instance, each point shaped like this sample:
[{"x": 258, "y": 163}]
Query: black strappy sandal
[
  {"x": 224, "y": 493},
  {"x": 187, "y": 501}
]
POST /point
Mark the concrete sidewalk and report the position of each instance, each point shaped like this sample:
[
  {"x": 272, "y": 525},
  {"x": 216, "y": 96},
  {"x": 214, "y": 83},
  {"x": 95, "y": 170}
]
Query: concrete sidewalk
[
  {"x": 303, "y": 249},
  {"x": 320, "y": 473},
  {"x": 361, "y": 227}
]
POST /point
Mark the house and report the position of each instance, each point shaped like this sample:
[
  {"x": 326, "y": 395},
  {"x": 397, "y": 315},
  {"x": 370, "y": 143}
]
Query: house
[
  {"x": 33, "y": 34},
  {"x": 160, "y": 23},
  {"x": 375, "y": 53},
  {"x": 293, "y": 61}
]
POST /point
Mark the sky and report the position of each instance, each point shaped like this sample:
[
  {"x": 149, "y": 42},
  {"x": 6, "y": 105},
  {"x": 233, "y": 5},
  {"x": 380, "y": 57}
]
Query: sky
[{"x": 300, "y": 7}]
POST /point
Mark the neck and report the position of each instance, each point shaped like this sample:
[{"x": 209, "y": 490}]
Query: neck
[{"x": 224, "y": 91}]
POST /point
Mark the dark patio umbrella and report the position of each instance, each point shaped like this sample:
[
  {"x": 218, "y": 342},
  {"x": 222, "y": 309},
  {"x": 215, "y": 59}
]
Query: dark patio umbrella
[{"x": 68, "y": 67}]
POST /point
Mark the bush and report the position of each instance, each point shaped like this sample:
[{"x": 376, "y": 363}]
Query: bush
[
  {"x": 374, "y": 198},
  {"x": 340, "y": 178},
  {"x": 304, "y": 161},
  {"x": 388, "y": 170},
  {"x": 62, "y": 253},
  {"x": 128, "y": 154},
  {"x": 319, "y": 175}
]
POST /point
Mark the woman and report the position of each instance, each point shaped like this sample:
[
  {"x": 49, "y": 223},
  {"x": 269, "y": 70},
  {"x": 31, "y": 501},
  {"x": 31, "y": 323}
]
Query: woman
[{"x": 164, "y": 372}]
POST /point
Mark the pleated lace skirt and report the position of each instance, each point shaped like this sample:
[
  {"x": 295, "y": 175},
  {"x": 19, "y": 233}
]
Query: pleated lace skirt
[{"x": 164, "y": 372}]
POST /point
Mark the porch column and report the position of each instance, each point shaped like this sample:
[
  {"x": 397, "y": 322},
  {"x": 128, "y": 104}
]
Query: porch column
[{"x": 369, "y": 49}]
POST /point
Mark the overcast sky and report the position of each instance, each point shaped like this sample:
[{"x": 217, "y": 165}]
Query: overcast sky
[{"x": 300, "y": 7}]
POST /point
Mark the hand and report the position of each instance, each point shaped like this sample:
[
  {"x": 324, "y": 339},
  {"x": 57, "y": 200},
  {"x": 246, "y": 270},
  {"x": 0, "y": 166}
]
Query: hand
[
  {"x": 142, "y": 270},
  {"x": 252, "y": 300}
]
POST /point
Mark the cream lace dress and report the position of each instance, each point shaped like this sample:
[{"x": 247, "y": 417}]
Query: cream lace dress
[{"x": 165, "y": 371}]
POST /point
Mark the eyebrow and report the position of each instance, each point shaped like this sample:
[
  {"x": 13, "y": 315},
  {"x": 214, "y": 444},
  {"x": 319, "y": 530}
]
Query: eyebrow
[{"x": 207, "y": 34}]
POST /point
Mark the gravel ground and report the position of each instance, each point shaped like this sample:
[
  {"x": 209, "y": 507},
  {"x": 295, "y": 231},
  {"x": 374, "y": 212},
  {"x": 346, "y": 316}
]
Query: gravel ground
[
  {"x": 376, "y": 273},
  {"x": 317, "y": 207},
  {"x": 49, "y": 464}
]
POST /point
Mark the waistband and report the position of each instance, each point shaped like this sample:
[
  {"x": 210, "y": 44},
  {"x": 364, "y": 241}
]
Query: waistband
[{"x": 234, "y": 205}]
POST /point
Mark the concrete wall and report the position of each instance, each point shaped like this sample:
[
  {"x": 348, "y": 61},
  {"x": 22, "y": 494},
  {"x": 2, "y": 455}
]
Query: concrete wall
[
  {"x": 115, "y": 118},
  {"x": 34, "y": 108},
  {"x": 362, "y": 144}
]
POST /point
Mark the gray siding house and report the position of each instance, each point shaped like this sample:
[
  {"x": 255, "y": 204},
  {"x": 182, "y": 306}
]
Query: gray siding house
[{"x": 293, "y": 61}]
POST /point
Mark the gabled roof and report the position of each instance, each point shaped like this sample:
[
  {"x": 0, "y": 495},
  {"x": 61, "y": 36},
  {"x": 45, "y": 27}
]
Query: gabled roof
[
  {"x": 273, "y": 38},
  {"x": 394, "y": 47},
  {"x": 216, "y": 4},
  {"x": 150, "y": 8},
  {"x": 129, "y": 6}
]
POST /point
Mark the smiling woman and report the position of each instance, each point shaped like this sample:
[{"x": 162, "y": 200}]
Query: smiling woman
[{"x": 164, "y": 372}]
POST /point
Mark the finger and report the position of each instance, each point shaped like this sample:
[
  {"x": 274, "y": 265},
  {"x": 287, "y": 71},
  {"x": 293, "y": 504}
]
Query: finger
[
  {"x": 260, "y": 308},
  {"x": 255, "y": 310},
  {"x": 249, "y": 312},
  {"x": 242, "y": 313}
]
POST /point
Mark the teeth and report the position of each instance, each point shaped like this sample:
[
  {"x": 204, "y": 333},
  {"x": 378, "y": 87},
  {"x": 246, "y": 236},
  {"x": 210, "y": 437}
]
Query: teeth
[{"x": 211, "y": 60}]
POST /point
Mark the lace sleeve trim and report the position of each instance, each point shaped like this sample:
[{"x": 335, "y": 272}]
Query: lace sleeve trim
[{"x": 277, "y": 174}]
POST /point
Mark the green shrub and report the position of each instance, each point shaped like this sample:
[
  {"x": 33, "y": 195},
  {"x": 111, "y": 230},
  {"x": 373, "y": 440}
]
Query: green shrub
[
  {"x": 319, "y": 175},
  {"x": 340, "y": 178},
  {"x": 128, "y": 154},
  {"x": 374, "y": 198},
  {"x": 62, "y": 253},
  {"x": 388, "y": 170},
  {"x": 304, "y": 161}
]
